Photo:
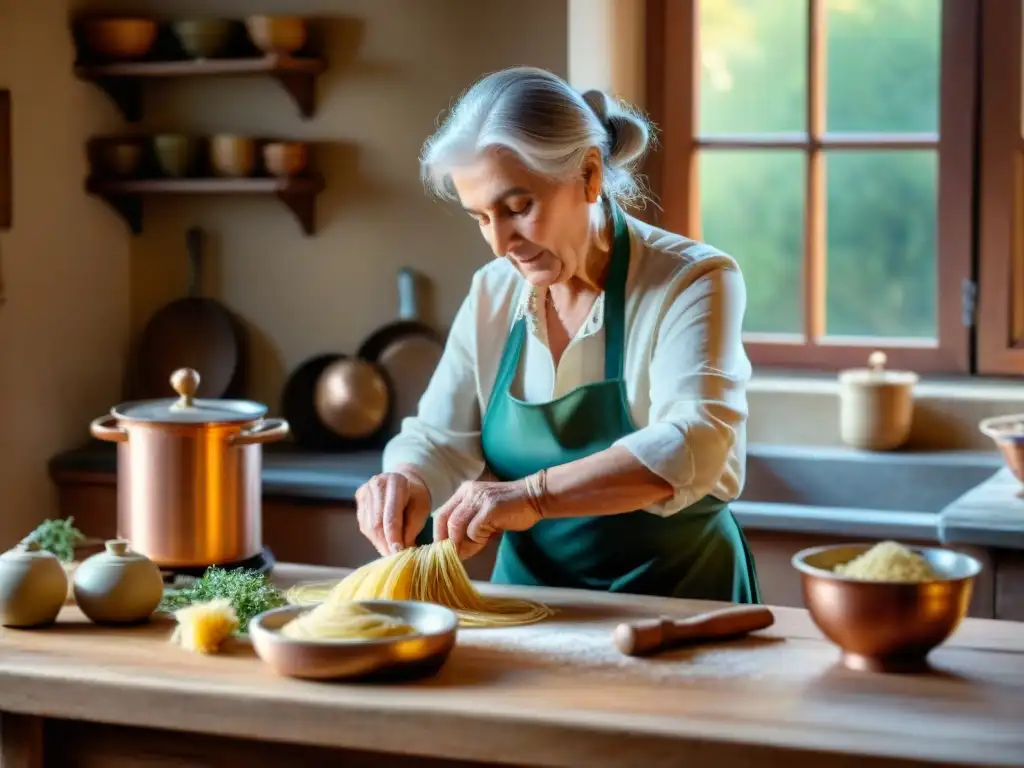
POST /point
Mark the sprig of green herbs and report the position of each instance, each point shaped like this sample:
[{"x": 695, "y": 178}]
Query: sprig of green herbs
[
  {"x": 249, "y": 592},
  {"x": 59, "y": 537}
]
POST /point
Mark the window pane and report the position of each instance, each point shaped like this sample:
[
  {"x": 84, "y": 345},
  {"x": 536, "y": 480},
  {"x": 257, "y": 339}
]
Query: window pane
[
  {"x": 752, "y": 207},
  {"x": 753, "y": 66},
  {"x": 883, "y": 65},
  {"x": 881, "y": 243}
]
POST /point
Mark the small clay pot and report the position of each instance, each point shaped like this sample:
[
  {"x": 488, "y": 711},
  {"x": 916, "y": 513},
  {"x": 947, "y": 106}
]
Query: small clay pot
[
  {"x": 277, "y": 34},
  {"x": 285, "y": 158},
  {"x": 232, "y": 156},
  {"x": 118, "y": 586},
  {"x": 33, "y": 586},
  {"x": 121, "y": 157},
  {"x": 176, "y": 155}
]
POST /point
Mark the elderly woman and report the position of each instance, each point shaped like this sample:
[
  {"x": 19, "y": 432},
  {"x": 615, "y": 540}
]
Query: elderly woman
[{"x": 595, "y": 367}]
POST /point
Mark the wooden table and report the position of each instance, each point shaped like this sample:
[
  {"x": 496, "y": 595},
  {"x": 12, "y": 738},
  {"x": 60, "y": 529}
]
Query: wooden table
[{"x": 555, "y": 694}]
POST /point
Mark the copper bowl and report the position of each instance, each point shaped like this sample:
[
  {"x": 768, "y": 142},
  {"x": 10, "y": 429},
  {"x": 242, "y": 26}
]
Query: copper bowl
[
  {"x": 403, "y": 657},
  {"x": 885, "y": 626},
  {"x": 1007, "y": 432},
  {"x": 120, "y": 38}
]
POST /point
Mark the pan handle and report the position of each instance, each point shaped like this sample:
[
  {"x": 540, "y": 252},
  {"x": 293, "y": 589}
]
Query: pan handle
[
  {"x": 267, "y": 431},
  {"x": 100, "y": 429},
  {"x": 408, "y": 300}
]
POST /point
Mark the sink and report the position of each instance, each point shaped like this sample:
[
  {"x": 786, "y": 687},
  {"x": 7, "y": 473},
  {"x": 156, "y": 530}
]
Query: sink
[{"x": 840, "y": 491}]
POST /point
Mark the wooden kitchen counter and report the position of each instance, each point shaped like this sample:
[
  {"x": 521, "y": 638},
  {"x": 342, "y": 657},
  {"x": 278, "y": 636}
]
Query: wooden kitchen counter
[{"x": 554, "y": 694}]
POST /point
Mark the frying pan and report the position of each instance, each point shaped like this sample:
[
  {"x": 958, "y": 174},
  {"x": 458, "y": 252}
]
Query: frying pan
[
  {"x": 298, "y": 405},
  {"x": 192, "y": 332},
  {"x": 408, "y": 350},
  {"x": 353, "y": 400}
]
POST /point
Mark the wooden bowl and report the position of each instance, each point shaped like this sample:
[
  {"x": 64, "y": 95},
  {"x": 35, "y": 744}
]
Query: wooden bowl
[
  {"x": 203, "y": 38},
  {"x": 285, "y": 158},
  {"x": 176, "y": 155},
  {"x": 277, "y": 34},
  {"x": 120, "y": 38},
  {"x": 402, "y": 657},
  {"x": 119, "y": 157},
  {"x": 885, "y": 626},
  {"x": 232, "y": 156}
]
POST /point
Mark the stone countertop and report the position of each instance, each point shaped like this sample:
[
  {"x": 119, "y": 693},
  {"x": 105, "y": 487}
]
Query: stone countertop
[
  {"x": 990, "y": 514},
  {"x": 334, "y": 477}
]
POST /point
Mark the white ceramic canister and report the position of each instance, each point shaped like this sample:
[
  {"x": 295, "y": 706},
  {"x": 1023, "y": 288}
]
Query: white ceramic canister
[{"x": 876, "y": 405}]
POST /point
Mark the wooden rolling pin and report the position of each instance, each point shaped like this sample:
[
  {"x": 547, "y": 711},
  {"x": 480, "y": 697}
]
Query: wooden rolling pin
[{"x": 652, "y": 635}]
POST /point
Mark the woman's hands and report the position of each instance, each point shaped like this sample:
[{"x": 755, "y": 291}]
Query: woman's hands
[
  {"x": 392, "y": 508},
  {"x": 478, "y": 510}
]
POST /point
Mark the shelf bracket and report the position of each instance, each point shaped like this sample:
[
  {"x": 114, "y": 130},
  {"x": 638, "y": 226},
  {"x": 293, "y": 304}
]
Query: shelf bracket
[
  {"x": 303, "y": 206},
  {"x": 126, "y": 93},
  {"x": 128, "y": 207},
  {"x": 301, "y": 86}
]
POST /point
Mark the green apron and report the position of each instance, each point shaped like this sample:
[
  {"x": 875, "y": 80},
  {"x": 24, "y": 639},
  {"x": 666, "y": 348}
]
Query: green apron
[{"x": 699, "y": 552}]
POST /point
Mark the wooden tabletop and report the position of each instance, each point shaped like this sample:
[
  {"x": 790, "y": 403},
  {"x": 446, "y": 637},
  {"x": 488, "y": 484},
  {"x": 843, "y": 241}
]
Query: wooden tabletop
[{"x": 554, "y": 694}]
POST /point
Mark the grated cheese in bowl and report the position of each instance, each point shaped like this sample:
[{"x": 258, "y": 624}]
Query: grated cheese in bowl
[{"x": 888, "y": 561}]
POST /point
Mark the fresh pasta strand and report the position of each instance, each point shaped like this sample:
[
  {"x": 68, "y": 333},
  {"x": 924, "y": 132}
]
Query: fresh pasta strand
[
  {"x": 344, "y": 621},
  {"x": 431, "y": 573}
]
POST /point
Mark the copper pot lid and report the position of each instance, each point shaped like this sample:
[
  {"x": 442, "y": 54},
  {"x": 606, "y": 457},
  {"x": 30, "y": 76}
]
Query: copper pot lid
[{"x": 188, "y": 409}]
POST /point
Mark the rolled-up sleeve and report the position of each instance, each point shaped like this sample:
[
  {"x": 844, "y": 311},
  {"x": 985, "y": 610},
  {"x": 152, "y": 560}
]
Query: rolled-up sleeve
[
  {"x": 698, "y": 377},
  {"x": 443, "y": 439}
]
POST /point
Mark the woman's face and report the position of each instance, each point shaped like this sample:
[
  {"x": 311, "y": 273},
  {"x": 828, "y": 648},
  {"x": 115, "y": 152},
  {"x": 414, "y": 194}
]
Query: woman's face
[{"x": 542, "y": 226}]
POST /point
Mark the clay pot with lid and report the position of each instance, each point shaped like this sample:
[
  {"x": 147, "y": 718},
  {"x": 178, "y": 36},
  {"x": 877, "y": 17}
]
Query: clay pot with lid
[
  {"x": 876, "y": 405},
  {"x": 189, "y": 475},
  {"x": 33, "y": 586},
  {"x": 118, "y": 586}
]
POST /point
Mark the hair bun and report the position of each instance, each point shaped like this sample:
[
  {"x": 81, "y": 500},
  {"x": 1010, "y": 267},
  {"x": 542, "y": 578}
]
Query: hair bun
[
  {"x": 597, "y": 101},
  {"x": 629, "y": 132}
]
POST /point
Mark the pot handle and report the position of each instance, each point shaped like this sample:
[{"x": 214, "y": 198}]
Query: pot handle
[
  {"x": 267, "y": 431},
  {"x": 100, "y": 429}
]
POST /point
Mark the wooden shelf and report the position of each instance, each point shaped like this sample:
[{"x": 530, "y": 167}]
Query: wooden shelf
[
  {"x": 125, "y": 195},
  {"x": 122, "y": 82}
]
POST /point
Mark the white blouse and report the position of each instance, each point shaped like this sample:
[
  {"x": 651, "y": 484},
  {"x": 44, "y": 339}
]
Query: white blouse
[{"x": 685, "y": 370}]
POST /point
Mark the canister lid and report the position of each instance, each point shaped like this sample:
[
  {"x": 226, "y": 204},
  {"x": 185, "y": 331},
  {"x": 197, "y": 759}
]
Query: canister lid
[
  {"x": 876, "y": 374},
  {"x": 188, "y": 409}
]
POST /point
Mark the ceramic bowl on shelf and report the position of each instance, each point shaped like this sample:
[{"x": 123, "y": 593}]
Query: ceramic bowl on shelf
[
  {"x": 1007, "y": 432},
  {"x": 122, "y": 39},
  {"x": 176, "y": 154},
  {"x": 401, "y": 657},
  {"x": 232, "y": 156},
  {"x": 277, "y": 34},
  {"x": 120, "y": 158},
  {"x": 885, "y": 626},
  {"x": 285, "y": 158},
  {"x": 203, "y": 38}
]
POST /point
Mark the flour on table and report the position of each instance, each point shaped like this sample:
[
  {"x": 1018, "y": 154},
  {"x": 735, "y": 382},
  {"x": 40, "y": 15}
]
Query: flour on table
[{"x": 556, "y": 645}]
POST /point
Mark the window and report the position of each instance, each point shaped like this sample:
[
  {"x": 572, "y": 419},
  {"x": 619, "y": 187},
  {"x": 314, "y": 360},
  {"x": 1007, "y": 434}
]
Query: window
[
  {"x": 1001, "y": 239},
  {"x": 828, "y": 145}
]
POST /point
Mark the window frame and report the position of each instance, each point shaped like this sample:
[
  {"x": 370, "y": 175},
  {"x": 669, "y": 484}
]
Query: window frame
[
  {"x": 672, "y": 99},
  {"x": 1000, "y": 344}
]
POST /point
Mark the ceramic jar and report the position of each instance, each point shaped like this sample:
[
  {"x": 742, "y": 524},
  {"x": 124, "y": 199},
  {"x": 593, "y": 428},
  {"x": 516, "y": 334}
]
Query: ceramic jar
[
  {"x": 118, "y": 586},
  {"x": 33, "y": 586},
  {"x": 876, "y": 405}
]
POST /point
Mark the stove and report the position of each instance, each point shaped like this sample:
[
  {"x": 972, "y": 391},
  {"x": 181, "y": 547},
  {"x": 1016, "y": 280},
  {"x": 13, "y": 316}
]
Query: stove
[{"x": 263, "y": 562}]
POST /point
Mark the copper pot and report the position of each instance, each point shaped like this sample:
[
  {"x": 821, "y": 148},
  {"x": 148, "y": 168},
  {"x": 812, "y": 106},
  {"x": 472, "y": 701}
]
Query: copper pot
[{"x": 189, "y": 490}]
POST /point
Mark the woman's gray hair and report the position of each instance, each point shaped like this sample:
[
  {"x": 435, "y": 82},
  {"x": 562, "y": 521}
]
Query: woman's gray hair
[{"x": 547, "y": 123}]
